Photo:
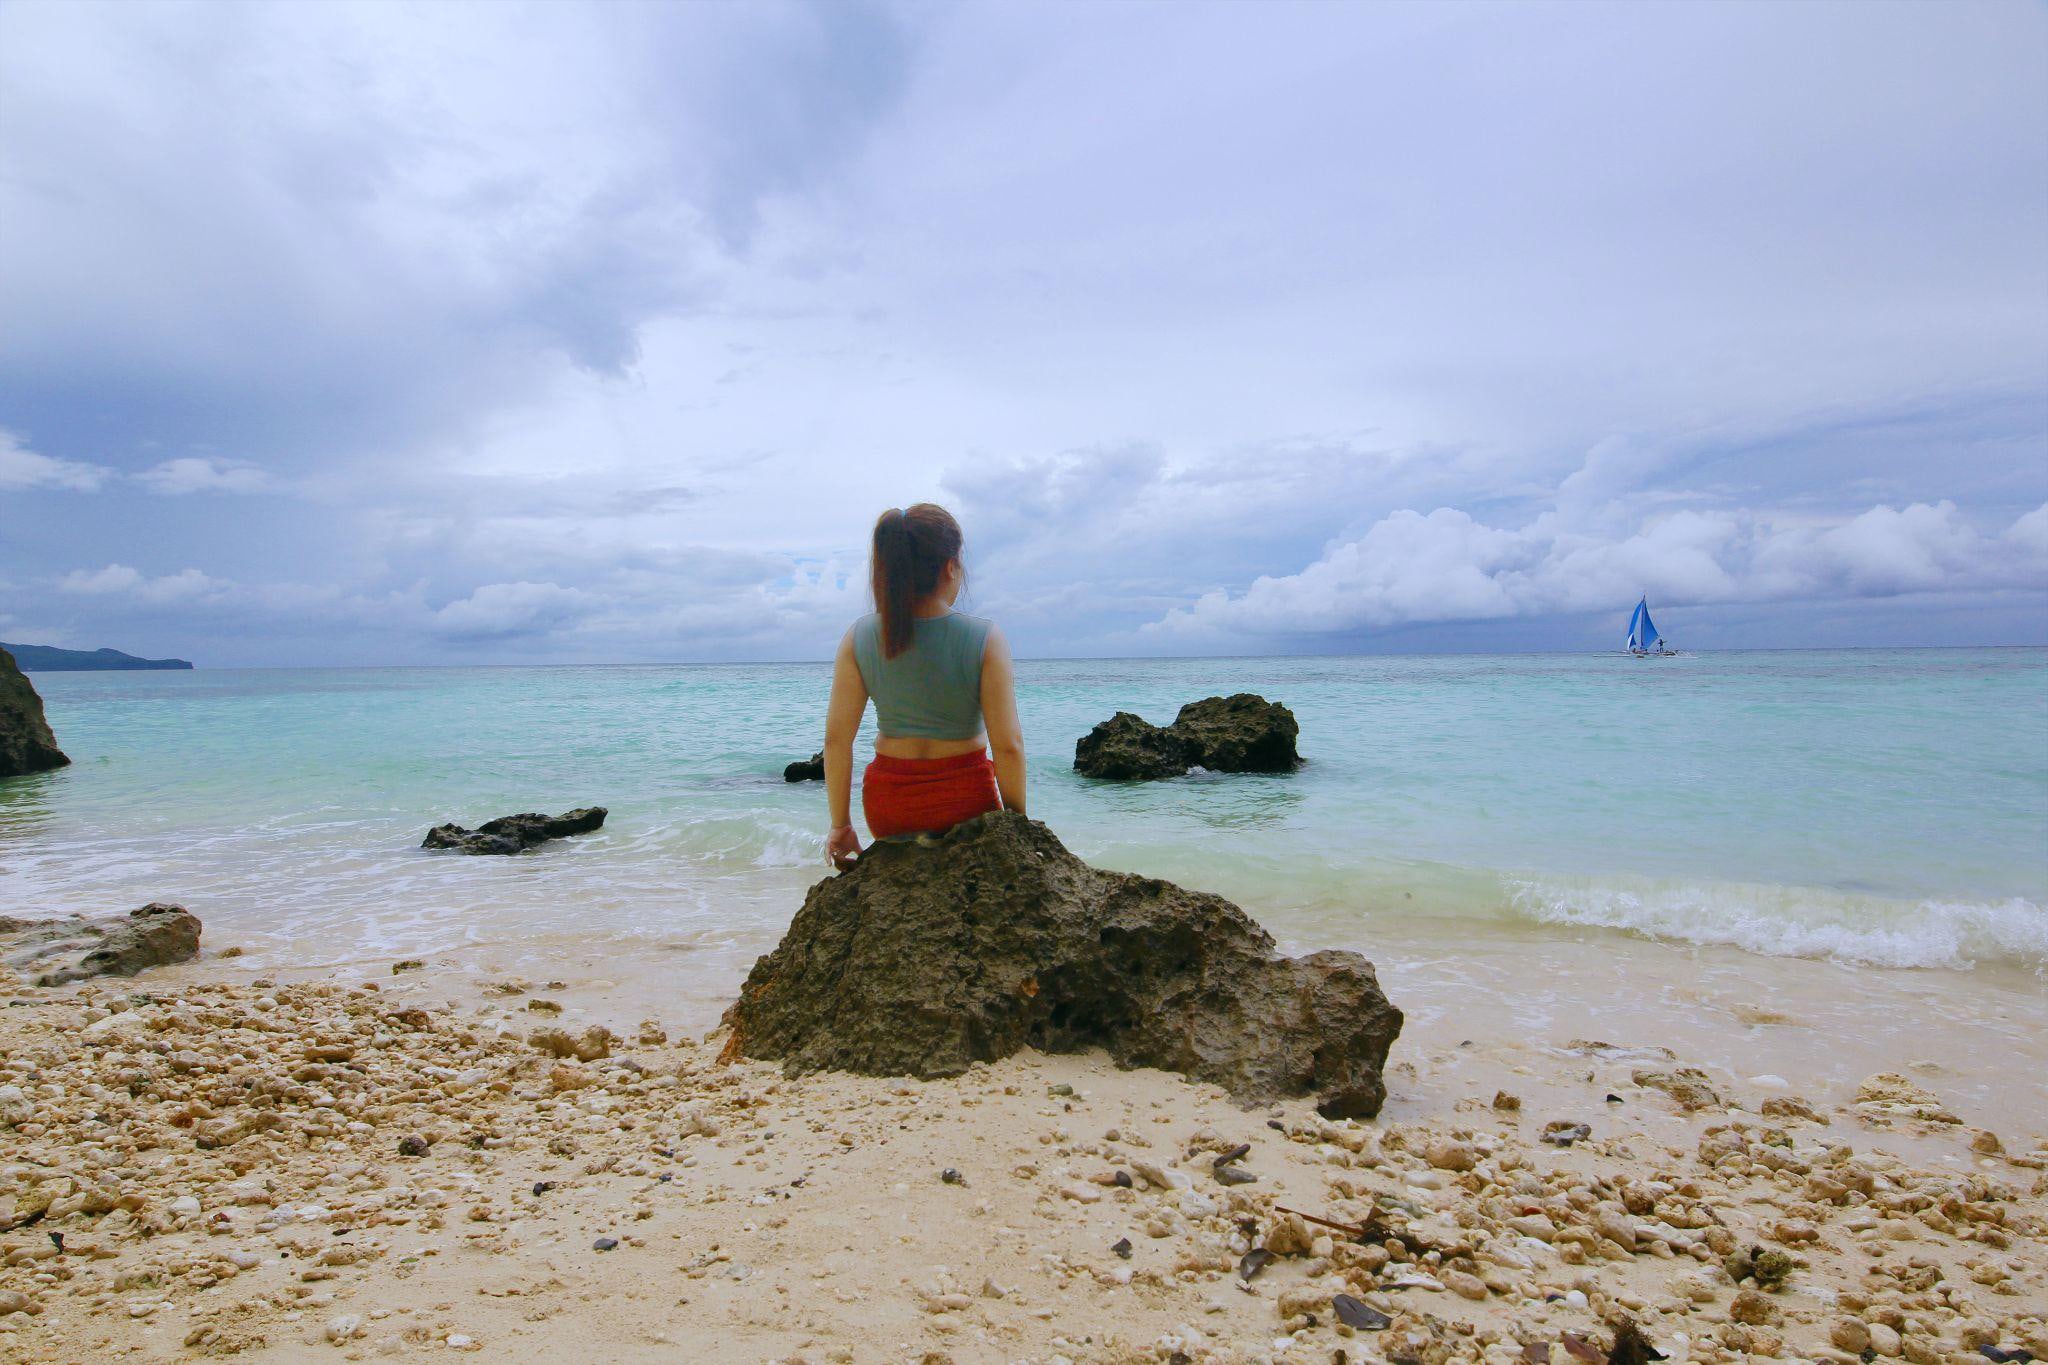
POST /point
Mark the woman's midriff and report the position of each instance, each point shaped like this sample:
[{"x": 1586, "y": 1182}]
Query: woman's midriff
[
  {"x": 927, "y": 795},
  {"x": 916, "y": 746}
]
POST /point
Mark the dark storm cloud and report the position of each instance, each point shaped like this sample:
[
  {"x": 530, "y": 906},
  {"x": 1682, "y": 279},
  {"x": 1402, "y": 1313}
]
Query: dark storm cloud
[{"x": 303, "y": 234}]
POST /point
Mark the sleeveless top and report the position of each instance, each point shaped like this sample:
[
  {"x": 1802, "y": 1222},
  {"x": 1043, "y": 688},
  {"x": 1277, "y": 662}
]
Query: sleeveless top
[{"x": 931, "y": 690}]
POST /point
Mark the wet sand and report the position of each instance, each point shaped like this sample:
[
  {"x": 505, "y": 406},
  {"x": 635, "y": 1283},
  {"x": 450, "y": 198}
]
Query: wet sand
[{"x": 361, "y": 1164}]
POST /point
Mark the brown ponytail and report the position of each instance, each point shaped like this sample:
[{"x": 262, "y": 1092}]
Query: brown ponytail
[{"x": 913, "y": 546}]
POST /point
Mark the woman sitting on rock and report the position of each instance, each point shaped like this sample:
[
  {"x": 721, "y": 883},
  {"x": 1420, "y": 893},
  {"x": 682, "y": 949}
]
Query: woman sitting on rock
[{"x": 944, "y": 692}]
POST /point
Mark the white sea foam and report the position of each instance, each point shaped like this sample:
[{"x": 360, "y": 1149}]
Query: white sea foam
[{"x": 1797, "y": 921}]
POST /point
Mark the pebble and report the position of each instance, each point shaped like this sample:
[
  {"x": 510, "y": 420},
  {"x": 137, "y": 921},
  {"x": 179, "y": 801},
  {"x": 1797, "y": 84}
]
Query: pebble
[
  {"x": 1288, "y": 1235},
  {"x": 1451, "y": 1155},
  {"x": 1752, "y": 1307},
  {"x": 1616, "y": 1227},
  {"x": 1464, "y": 1284},
  {"x": 15, "y": 1106},
  {"x": 1850, "y": 1334},
  {"x": 1163, "y": 1177}
]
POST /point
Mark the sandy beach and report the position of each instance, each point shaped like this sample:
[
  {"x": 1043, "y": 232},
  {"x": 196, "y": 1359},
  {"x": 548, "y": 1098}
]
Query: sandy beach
[
  {"x": 870, "y": 682},
  {"x": 363, "y": 1166}
]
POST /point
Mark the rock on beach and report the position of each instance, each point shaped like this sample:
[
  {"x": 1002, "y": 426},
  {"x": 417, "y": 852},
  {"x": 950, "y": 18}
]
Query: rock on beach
[
  {"x": 514, "y": 833},
  {"x": 932, "y": 955},
  {"x": 53, "y": 952}
]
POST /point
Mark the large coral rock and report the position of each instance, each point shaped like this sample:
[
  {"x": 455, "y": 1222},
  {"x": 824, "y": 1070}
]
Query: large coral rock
[
  {"x": 514, "y": 833},
  {"x": 931, "y": 955},
  {"x": 810, "y": 769},
  {"x": 1127, "y": 747},
  {"x": 1239, "y": 734},
  {"x": 26, "y": 744},
  {"x": 55, "y": 951}
]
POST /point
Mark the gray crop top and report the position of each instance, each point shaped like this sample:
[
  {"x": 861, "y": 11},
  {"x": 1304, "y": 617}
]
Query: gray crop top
[{"x": 931, "y": 690}]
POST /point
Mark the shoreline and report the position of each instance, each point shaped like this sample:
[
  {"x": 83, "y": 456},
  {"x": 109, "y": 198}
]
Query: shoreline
[
  {"x": 224, "y": 1160},
  {"x": 1815, "y": 1023}
]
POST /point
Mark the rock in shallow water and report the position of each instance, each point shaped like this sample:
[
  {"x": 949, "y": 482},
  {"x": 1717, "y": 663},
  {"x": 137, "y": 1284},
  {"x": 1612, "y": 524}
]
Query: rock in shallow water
[
  {"x": 26, "y": 744},
  {"x": 1240, "y": 734},
  {"x": 810, "y": 769},
  {"x": 52, "y": 952},
  {"x": 931, "y": 955},
  {"x": 1127, "y": 747},
  {"x": 1244, "y": 733},
  {"x": 514, "y": 833}
]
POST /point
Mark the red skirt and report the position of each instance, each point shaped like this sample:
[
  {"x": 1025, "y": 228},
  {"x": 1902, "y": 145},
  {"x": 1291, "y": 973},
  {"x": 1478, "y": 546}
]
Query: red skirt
[{"x": 926, "y": 795}]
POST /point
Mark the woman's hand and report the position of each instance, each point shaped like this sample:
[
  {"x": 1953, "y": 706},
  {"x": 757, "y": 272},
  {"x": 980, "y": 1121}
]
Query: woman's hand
[{"x": 842, "y": 847}]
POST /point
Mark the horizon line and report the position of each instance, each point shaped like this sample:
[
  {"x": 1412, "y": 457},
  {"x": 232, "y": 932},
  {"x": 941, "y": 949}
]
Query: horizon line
[{"x": 1073, "y": 658}]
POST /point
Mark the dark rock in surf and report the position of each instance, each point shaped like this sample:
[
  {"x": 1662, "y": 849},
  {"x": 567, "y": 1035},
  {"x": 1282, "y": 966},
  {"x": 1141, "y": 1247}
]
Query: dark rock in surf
[
  {"x": 514, "y": 833},
  {"x": 933, "y": 954},
  {"x": 55, "y": 951},
  {"x": 1238, "y": 734},
  {"x": 811, "y": 769},
  {"x": 1126, "y": 747},
  {"x": 26, "y": 744}
]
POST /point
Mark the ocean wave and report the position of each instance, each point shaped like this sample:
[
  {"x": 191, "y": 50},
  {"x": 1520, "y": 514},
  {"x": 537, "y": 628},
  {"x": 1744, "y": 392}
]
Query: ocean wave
[
  {"x": 750, "y": 838},
  {"x": 1780, "y": 921}
]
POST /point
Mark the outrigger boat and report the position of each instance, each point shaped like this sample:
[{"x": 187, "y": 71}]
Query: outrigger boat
[{"x": 1643, "y": 639}]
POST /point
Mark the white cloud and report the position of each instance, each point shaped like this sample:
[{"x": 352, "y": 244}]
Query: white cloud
[
  {"x": 120, "y": 580},
  {"x": 2029, "y": 535},
  {"x": 22, "y": 468},
  {"x": 1410, "y": 568},
  {"x": 502, "y": 610},
  {"x": 204, "y": 474}
]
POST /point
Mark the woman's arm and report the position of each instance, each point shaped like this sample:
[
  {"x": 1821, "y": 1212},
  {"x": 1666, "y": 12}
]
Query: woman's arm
[
  {"x": 842, "y": 723},
  {"x": 999, "y": 715}
]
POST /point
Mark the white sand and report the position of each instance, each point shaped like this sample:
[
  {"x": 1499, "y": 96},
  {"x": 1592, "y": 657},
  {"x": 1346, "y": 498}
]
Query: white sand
[{"x": 223, "y": 1163}]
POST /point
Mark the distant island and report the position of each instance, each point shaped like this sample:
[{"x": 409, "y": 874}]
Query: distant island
[{"x": 50, "y": 659}]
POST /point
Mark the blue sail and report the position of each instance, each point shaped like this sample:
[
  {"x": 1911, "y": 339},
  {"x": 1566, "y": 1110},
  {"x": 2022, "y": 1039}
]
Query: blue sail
[
  {"x": 1637, "y": 619},
  {"x": 1649, "y": 638}
]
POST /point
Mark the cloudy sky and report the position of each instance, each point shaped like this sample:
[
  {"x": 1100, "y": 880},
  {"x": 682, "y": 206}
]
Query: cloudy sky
[{"x": 396, "y": 333}]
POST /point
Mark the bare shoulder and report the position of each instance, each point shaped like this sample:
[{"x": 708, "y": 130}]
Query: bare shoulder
[{"x": 994, "y": 645}]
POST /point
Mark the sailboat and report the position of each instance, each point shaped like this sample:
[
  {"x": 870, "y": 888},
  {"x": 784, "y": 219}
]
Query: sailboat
[{"x": 1643, "y": 639}]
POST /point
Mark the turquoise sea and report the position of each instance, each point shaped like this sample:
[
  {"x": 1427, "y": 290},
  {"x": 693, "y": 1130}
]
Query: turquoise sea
[{"x": 1878, "y": 807}]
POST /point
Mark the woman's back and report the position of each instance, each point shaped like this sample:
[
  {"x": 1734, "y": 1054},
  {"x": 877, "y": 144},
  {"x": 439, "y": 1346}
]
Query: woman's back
[
  {"x": 944, "y": 690},
  {"x": 932, "y": 690}
]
